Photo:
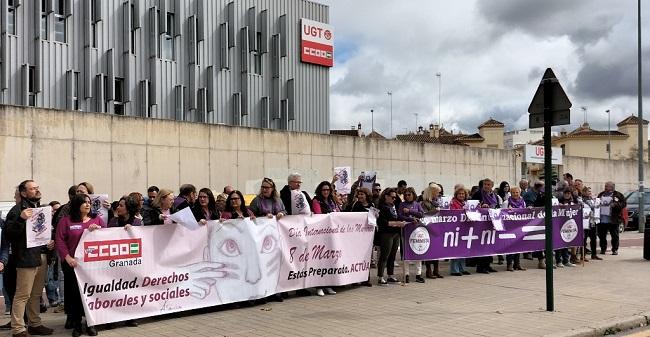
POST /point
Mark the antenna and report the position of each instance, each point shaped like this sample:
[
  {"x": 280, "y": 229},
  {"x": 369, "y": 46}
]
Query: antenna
[{"x": 584, "y": 111}]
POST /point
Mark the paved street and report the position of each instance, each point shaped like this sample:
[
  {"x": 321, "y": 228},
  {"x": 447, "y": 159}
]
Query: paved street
[{"x": 500, "y": 304}]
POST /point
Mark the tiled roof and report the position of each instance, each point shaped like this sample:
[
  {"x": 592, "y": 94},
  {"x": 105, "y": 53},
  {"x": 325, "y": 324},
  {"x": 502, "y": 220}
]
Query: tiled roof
[
  {"x": 491, "y": 123},
  {"x": 586, "y": 130},
  {"x": 353, "y": 133},
  {"x": 375, "y": 135},
  {"x": 471, "y": 138},
  {"x": 419, "y": 138},
  {"x": 632, "y": 120}
]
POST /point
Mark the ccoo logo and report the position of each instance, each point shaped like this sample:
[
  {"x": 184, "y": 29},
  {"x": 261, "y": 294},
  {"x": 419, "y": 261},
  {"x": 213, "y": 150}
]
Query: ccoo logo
[{"x": 112, "y": 250}]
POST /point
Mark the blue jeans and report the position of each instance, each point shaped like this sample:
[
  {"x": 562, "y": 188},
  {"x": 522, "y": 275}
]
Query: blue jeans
[
  {"x": 456, "y": 266},
  {"x": 562, "y": 256},
  {"x": 52, "y": 285},
  {"x": 6, "y": 295}
]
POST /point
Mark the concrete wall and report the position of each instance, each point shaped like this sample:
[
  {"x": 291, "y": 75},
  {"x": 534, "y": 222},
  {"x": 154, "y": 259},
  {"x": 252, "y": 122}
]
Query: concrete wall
[{"x": 124, "y": 154}]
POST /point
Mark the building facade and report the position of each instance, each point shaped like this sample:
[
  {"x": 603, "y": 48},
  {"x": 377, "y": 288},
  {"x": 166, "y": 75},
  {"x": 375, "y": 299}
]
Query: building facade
[
  {"x": 516, "y": 138},
  {"x": 213, "y": 61}
]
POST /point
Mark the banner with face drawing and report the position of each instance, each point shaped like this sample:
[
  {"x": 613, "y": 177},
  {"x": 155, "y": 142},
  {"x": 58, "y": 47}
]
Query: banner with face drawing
[{"x": 154, "y": 270}]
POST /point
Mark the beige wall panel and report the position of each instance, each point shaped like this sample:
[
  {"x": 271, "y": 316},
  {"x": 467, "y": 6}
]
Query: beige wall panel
[
  {"x": 342, "y": 146},
  {"x": 52, "y": 124},
  {"x": 195, "y": 167},
  {"x": 53, "y": 168},
  {"x": 92, "y": 163},
  {"x": 129, "y": 169},
  {"x": 223, "y": 169},
  {"x": 92, "y": 127},
  {"x": 16, "y": 121},
  {"x": 223, "y": 137},
  {"x": 129, "y": 130},
  {"x": 250, "y": 171},
  {"x": 194, "y": 135},
  {"x": 15, "y": 164},
  {"x": 365, "y": 148},
  {"x": 399, "y": 150},
  {"x": 162, "y": 167},
  {"x": 323, "y": 145},
  {"x": 323, "y": 167},
  {"x": 276, "y": 167},
  {"x": 250, "y": 139},
  {"x": 162, "y": 132},
  {"x": 299, "y": 143},
  {"x": 276, "y": 142}
]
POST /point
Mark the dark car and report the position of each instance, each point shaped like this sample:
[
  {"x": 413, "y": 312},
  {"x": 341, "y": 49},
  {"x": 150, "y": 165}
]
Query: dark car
[{"x": 632, "y": 199}]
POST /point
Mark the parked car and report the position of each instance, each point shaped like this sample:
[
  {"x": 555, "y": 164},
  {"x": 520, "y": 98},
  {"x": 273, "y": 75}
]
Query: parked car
[{"x": 632, "y": 199}]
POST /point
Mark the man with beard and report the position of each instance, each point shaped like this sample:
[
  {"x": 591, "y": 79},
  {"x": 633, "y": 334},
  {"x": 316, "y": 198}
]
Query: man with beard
[{"x": 31, "y": 264}]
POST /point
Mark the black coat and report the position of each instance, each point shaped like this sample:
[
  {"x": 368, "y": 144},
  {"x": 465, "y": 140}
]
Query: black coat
[
  {"x": 15, "y": 229},
  {"x": 285, "y": 195},
  {"x": 198, "y": 213}
]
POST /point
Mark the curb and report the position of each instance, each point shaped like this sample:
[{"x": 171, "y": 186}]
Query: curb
[{"x": 610, "y": 327}]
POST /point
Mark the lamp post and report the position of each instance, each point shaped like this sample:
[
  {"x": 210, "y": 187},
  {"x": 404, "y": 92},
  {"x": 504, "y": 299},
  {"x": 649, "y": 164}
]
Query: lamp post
[
  {"x": 609, "y": 136},
  {"x": 640, "y": 132},
  {"x": 390, "y": 94},
  {"x": 416, "y": 120},
  {"x": 372, "y": 119},
  {"x": 439, "y": 76}
]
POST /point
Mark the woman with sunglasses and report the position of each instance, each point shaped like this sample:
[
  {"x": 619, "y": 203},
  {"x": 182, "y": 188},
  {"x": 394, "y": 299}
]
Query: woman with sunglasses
[
  {"x": 390, "y": 228},
  {"x": 268, "y": 203}
]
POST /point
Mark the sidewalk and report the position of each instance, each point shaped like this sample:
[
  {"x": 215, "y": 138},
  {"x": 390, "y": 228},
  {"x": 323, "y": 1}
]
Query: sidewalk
[{"x": 499, "y": 304}]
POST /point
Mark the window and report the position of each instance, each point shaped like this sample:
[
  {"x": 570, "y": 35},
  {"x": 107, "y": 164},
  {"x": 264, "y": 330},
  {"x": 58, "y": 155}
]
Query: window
[
  {"x": 133, "y": 35},
  {"x": 75, "y": 91},
  {"x": 11, "y": 17},
  {"x": 119, "y": 96},
  {"x": 257, "y": 55},
  {"x": 32, "y": 85},
  {"x": 563, "y": 146},
  {"x": 93, "y": 25},
  {"x": 167, "y": 45},
  {"x": 607, "y": 148},
  {"x": 93, "y": 28},
  {"x": 60, "y": 22},
  {"x": 44, "y": 28},
  {"x": 106, "y": 93}
]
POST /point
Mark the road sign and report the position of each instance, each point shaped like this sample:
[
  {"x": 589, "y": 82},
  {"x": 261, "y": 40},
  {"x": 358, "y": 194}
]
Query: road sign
[{"x": 558, "y": 102}]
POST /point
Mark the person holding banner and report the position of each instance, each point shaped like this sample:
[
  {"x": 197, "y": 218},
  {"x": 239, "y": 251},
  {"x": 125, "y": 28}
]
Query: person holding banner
[
  {"x": 390, "y": 230},
  {"x": 431, "y": 205},
  {"x": 161, "y": 208},
  {"x": 323, "y": 203},
  {"x": 362, "y": 202},
  {"x": 589, "y": 204},
  {"x": 562, "y": 256},
  {"x": 186, "y": 197},
  {"x": 31, "y": 264},
  {"x": 514, "y": 201},
  {"x": 126, "y": 213},
  {"x": 206, "y": 207},
  {"x": 236, "y": 207},
  {"x": 268, "y": 203},
  {"x": 295, "y": 200},
  {"x": 457, "y": 266},
  {"x": 410, "y": 211},
  {"x": 487, "y": 199},
  {"x": 68, "y": 234}
]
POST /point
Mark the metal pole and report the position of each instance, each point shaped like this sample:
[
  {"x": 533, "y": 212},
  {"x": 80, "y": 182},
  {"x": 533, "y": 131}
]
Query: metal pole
[
  {"x": 439, "y": 75},
  {"x": 372, "y": 119},
  {"x": 390, "y": 94},
  {"x": 609, "y": 135},
  {"x": 416, "y": 121},
  {"x": 548, "y": 171},
  {"x": 641, "y": 140}
]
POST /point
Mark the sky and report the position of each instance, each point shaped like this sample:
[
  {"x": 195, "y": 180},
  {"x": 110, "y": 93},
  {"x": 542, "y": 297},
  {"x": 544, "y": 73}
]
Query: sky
[{"x": 491, "y": 55}]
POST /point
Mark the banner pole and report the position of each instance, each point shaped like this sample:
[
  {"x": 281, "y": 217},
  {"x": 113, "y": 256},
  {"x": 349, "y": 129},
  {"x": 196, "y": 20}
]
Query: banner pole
[{"x": 548, "y": 218}]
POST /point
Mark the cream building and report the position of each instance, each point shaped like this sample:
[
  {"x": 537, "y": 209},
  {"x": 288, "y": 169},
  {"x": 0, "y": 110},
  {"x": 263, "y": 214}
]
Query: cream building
[{"x": 490, "y": 135}]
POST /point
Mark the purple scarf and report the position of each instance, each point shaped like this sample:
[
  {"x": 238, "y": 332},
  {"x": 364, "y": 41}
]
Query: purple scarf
[
  {"x": 520, "y": 203},
  {"x": 489, "y": 199}
]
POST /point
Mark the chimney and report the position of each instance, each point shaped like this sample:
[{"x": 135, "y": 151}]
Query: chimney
[
  {"x": 434, "y": 131},
  {"x": 359, "y": 126},
  {"x": 420, "y": 130}
]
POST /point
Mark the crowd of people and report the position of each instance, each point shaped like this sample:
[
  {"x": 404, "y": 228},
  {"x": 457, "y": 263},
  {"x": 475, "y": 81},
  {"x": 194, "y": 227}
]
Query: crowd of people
[{"x": 27, "y": 271}]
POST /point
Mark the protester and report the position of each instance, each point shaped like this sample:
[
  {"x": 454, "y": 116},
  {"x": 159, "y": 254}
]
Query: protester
[
  {"x": 126, "y": 213},
  {"x": 376, "y": 193},
  {"x": 411, "y": 212},
  {"x": 186, "y": 197},
  {"x": 487, "y": 199},
  {"x": 401, "y": 188},
  {"x": 389, "y": 235},
  {"x": 514, "y": 201},
  {"x": 228, "y": 189},
  {"x": 562, "y": 255},
  {"x": 523, "y": 185},
  {"x": 139, "y": 199},
  {"x": 68, "y": 235},
  {"x": 504, "y": 191},
  {"x": 161, "y": 208},
  {"x": 85, "y": 188},
  {"x": 31, "y": 264},
  {"x": 152, "y": 192},
  {"x": 431, "y": 205},
  {"x": 612, "y": 204},
  {"x": 267, "y": 203},
  {"x": 323, "y": 201},
  {"x": 362, "y": 202},
  {"x": 457, "y": 266},
  {"x": 531, "y": 195},
  {"x": 206, "y": 207},
  {"x": 51, "y": 283},
  {"x": 295, "y": 200},
  {"x": 588, "y": 201},
  {"x": 236, "y": 207},
  {"x": 220, "y": 200}
]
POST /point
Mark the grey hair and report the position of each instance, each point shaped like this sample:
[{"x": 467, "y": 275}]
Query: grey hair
[
  {"x": 293, "y": 176},
  {"x": 611, "y": 183}
]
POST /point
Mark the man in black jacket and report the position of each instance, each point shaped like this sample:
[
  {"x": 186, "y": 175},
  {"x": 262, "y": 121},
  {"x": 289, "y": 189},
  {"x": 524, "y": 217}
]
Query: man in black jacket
[
  {"x": 31, "y": 264},
  {"x": 294, "y": 181},
  {"x": 612, "y": 204}
]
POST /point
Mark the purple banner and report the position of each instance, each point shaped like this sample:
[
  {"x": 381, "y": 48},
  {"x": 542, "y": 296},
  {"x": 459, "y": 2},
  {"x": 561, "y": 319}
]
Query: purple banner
[{"x": 460, "y": 233}]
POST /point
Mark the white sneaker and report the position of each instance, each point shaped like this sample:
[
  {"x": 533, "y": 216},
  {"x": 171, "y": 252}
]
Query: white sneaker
[
  {"x": 330, "y": 291},
  {"x": 320, "y": 292},
  {"x": 569, "y": 265},
  {"x": 559, "y": 265},
  {"x": 396, "y": 264}
]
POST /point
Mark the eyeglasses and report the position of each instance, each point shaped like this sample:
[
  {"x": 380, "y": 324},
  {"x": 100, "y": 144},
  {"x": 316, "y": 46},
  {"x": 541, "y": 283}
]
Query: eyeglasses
[
  {"x": 296, "y": 182},
  {"x": 235, "y": 198},
  {"x": 392, "y": 196},
  {"x": 266, "y": 187},
  {"x": 203, "y": 196},
  {"x": 325, "y": 189}
]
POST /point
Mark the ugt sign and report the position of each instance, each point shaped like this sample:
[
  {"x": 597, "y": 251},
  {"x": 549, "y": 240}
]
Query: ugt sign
[{"x": 317, "y": 43}]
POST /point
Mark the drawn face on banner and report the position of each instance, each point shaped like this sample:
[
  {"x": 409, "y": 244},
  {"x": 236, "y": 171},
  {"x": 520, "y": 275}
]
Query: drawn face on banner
[
  {"x": 342, "y": 176},
  {"x": 96, "y": 206},
  {"x": 252, "y": 258}
]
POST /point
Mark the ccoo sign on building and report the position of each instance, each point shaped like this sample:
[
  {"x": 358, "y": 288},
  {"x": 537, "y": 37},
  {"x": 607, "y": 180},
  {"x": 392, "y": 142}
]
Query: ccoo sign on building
[{"x": 317, "y": 43}]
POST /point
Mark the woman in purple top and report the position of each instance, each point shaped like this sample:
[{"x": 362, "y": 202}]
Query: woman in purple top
[
  {"x": 68, "y": 234},
  {"x": 410, "y": 211},
  {"x": 514, "y": 201},
  {"x": 268, "y": 203}
]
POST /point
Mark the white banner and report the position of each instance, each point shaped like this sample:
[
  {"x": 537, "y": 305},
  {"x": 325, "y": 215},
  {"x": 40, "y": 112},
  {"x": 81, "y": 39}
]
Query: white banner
[
  {"x": 369, "y": 178},
  {"x": 39, "y": 227},
  {"x": 153, "y": 270}
]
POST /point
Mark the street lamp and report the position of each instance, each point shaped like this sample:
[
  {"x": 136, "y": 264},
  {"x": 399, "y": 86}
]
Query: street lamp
[
  {"x": 609, "y": 136},
  {"x": 372, "y": 119},
  {"x": 390, "y": 94},
  {"x": 439, "y": 76},
  {"x": 416, "y": 120},
  {"x": 640, "y": 132}
]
